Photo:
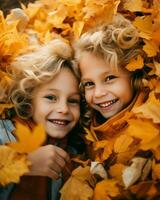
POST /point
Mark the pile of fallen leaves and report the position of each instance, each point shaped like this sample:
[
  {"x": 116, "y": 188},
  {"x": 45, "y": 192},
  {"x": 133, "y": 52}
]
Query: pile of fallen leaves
[
  {"x": 40, "y": 22},
  {"x": 13, "y": 156}
]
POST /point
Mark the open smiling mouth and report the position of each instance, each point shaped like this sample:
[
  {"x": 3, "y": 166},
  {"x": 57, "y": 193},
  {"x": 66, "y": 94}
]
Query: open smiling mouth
[
  {"x": 59, "y": 122},
  {"x": 107, "y": 104}
]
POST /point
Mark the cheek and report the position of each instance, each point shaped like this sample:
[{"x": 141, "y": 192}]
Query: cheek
[{"x": 88, "y": 96}]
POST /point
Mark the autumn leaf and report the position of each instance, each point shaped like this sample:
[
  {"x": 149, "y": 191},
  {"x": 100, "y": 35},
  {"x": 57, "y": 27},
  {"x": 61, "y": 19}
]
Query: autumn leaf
[
  {"x": 133, "y": 5},
  {"x": 12, "y": 165},
  {"x": 150, "y": 109},
  {"x": 77, "y": 186},
  {"x": 90, "y": 135},
  {"x": 5, "y": 106},
  {"x": 122, "y": 143},
  {"x": 28, "y": 140},
  {"x": 106, "y": 189},
  {"x": 156, "y": 170},
  {"x": 144, "y": 24},
  {"x": 135, "y": 63},
  {"x": 116, "y": 172},
  {"x": 150, "y": 48},
  {"x": 142, "y": 129},
  {"x": 141, "y": 190}
]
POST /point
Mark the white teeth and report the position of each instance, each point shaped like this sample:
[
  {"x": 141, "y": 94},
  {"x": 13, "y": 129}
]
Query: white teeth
[
  {"x": 60, "y": 122},
  {"x": 108, "y": 103}
]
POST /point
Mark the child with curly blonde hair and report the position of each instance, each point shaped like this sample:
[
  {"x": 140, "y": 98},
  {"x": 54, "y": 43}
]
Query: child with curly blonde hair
[
  {"x": 111, "y": 94},
  {"x": 45, "y": 91}
]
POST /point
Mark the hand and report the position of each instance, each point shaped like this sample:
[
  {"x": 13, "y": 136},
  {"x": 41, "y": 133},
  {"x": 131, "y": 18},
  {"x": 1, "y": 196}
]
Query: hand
[{"x": 48, "y": 161}]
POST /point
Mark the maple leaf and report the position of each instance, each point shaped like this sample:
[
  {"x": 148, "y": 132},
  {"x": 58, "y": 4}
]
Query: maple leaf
[
  {"x": 12, "y": 165},
  {"x": 144, "y": 24},
  {"x": 135, "y": 63},
  {"x": 77, "y": 186},
  {"x": 142, "y": 129},
  {"x": 28, "y": 141},
  {"x": 150, "y": 48},
  {"x": 106, "y": 189}
]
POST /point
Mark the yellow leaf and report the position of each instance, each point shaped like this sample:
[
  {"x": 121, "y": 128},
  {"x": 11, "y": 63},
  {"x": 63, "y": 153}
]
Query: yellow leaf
[
  {"x": 142, "y": 129},
  {"x": 157, "y": 67},
  {"x": 135, "y": 63},
  {"x": 5, "y": 106},
  {"x": 28, "y": 141},
  {"x": 144, "y": 24},
  {"x": 122, "y": 143},
  {"x": 133, "y": 5},
  {"x": 150, "y": 48},
  {"x": 150, "y": 109},
  {"x": 77, "y": 186},
  {"x": 77, "y": 28},
  {"x": 90, "y": 135},
  {"x": 12, "y": 165},
  {"x": 106, "y": 189},
  {"x": 116, "y": 172}
]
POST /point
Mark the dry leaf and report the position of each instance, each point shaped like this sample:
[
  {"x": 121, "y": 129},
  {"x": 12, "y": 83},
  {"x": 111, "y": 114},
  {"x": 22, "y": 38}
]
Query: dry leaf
[
  {"x": 28, "y": 140},
  {"x": 132, "y": 173},
  {"x": 135, "y": 63},
  {"x": 12, "y": 165},
  {"x": 106, "y": 189},
  {"x": 122, "y": 143},
  {"x": 77, "y": 186},
  {"x": 97, "y": 168},
  {"x": 150, "y": 109}
]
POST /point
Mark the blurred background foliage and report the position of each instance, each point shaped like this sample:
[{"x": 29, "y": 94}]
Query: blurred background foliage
[{"x": 7, "y": 5}]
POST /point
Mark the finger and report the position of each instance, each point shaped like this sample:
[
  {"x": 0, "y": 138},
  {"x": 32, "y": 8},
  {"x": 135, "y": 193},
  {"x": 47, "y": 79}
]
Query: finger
[
  {"x": 56, "y": 167},
  {"x": 63, "y": 154},
  {"x": 53, "y": 174},
  {"x": 60, "y": 161}
]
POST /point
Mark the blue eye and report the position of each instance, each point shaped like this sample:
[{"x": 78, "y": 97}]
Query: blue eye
[
  {"x": 110, "y": 77},
  {"x": 51, "y": 97}
]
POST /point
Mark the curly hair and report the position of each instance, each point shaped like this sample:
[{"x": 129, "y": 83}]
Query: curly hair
[
  {"x": 116, "y": 43},
  {"x": 36, "y": 68}
]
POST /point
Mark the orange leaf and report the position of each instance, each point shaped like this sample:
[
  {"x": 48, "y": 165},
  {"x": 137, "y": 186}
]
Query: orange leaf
[
  {"x": 91, "y": 136},
  {"x": 142, "y": 129},
  {"x": 122, "y": 143},
  {"x": 12, "y": 165},
  {"x": 144, "y": 24},
  {"x": 135, "y": 63},
  {"x": 150, "y": 109},
  {"x": 77, "y": 186},
  {"x": 116, "y": 172},
  {"x": 5, "y": 106},
  {"x": 150, "y": 48},
  {"x": 156, "y": 170},
  {"x": 28, "y": 141},
  {"x": 106, "y": 189}
]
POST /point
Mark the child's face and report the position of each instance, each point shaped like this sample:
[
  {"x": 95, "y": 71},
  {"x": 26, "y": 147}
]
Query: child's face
[
  {"x": 56, "y": 104},
  {"x": 106, "y": 90}
]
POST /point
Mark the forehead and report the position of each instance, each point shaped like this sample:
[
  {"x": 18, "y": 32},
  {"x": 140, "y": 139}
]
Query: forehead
[
  {"x": 64, "y": 81},
  {"x": 91, "y": 64}
]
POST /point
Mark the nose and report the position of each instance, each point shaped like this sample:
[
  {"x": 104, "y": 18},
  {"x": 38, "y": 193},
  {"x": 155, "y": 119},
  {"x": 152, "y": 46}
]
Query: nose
[
  {"x": 62, "y": 107},
  {"x": 99, "y": 91}
]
